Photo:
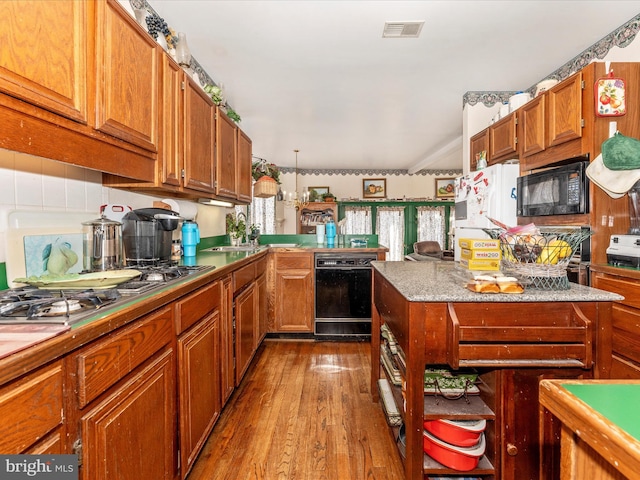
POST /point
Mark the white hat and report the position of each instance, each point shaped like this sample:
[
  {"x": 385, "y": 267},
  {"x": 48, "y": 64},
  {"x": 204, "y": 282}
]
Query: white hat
[{"x": 614, "y": 182}]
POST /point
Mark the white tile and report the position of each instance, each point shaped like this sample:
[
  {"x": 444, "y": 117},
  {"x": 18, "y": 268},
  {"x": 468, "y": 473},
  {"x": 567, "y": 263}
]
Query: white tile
[
  {"x": 29, "y": 189},
  {"x": 54, "y": 192},
  {"x": 7, "y": 187}
]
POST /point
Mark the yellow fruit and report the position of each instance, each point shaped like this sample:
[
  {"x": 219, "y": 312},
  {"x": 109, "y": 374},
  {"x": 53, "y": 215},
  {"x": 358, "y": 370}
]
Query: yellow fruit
[
  {"x": 548, "y": 255},
  {"x": 564, "y": 250}
]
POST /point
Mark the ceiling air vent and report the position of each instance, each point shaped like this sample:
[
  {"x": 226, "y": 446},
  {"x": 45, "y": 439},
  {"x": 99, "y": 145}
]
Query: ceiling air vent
[{"x": 402, "y": 29}]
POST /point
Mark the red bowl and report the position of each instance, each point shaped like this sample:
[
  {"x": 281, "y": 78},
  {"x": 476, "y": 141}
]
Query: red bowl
[
  {"x": 462, "y": 433},
  {"x": 457, "y": 458}
]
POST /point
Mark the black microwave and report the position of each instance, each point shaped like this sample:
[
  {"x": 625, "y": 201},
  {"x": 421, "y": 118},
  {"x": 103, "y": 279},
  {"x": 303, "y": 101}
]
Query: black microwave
[{"x": 555, "y": 191}]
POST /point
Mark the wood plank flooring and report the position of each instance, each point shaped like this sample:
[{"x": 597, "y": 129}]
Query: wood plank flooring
[{"x": 303, "y": 411}]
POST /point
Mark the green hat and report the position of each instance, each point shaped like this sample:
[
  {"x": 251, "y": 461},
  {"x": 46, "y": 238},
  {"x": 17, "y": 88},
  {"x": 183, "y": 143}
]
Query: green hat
[{"x": 621, "y": 153}]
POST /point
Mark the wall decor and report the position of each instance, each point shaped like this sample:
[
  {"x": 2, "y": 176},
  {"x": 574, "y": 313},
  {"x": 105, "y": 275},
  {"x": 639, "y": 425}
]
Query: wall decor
[
  {"x": 374, "y": 188},
  {"x": 319, "y": 190},
  {"x": 445, "y": 187}
]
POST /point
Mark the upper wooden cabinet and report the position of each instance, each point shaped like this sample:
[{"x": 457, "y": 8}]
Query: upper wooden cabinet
[
  {"x": 479, "y": 143},
  {"x": 503, "y": 140},
  {"x": 532, "y": 126},
  {"x": 226, "y": 156},
  {"x": 244, "y": 178},
  {"x": 126, "y": 78},
  {"x": 35, "y": 65},
  {"x": 564, "y": 111},
  {"x": 199, "y": 147}
]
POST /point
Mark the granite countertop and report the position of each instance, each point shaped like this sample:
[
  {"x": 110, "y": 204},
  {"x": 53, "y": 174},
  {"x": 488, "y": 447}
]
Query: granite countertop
[{"x": 444, "y": 281}]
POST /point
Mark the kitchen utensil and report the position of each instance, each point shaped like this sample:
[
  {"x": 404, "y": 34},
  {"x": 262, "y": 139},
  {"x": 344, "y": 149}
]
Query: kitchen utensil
[
  {"x": 146, "y": 234},
  {"x": 106, "y": 279},
  {"x": 330, "y": 228},
  {"x": 102, "y": 244},
  {"x": 458, "y": 458},
  {"x": 461, "y": 433},
  {"x": 320, "y": 232},
  {"x": 190, "y": 238},
  {"x": 545, "y": 85},
  {"x": 115, "y": 212},
  {"x": 518, "y": 100}
]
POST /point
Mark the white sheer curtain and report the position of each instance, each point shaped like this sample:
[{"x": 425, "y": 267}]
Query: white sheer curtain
[
  {"x": 358, "y": 221},
  {"x": 432, "y": 224},
  {"x": 390, "y": 230},
  {"x": 263, "y": 214}
]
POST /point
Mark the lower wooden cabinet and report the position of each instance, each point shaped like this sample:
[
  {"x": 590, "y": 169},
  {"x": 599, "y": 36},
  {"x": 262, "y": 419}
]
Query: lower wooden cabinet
[
  {"x": 227, "y": 371},
  {"x": 198, "y": 387},
  {"x": 625, "y": 318},
  {"x": 29, "y": 424},
  {"x": 122, "y": 417},
  {"x": 293, "y": 292},
  {"x": 245, "y": 317}
]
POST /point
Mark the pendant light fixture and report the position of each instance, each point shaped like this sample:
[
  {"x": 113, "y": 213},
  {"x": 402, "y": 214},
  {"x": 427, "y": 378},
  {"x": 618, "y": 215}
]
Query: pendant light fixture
[{"x": 293, "y": 199}]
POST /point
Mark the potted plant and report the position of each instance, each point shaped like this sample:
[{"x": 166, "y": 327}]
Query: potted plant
[
  {"x": 328, "y": 197},
  {"x": 236, "y": 228},
  {"x": 267, "y": 177},
  {"x": 215, "y": 93}
]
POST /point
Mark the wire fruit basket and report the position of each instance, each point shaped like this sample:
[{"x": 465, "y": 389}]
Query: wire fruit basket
[{"x": 540, "y": 259}]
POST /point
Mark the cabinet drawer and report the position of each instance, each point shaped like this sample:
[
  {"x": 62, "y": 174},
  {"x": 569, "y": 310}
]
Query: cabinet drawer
[
  {"x": 109, "y": 360},
  {"x": 629, "y": 289},
  {"x": 540, "y": 334},
  {"x": 243, "y": 276},
  {"x": 30, "y": 408},
  {"x": 197, "y": 306},
  {"x": 294, "y": 261}
]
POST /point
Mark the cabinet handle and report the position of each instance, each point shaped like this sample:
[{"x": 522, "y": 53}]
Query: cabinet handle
[{"x": 512, "y": 450}]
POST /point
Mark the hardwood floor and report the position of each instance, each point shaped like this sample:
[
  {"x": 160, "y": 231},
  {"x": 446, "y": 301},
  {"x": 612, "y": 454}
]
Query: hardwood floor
[{"x": 303, "y": 411}]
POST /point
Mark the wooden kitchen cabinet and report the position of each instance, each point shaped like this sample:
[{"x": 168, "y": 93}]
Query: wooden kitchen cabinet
[
  {"x": 479, "y": 143},
  {"x": 262, "y": 301},
  {"x": 127, "y": 75},
  {"x": 245, "y": 158},
  {"x": 31, "y": 33},
  {"x": 503, "y": 140},
  {"x": 31, "y": 425},
  {"x": 227, "y": 371},
  {"x": 294, "y": 292},
  {"x": 122, "y": 414},
  {"x": 625, "y": 318},
  {"x": 226, "y": 156},
  {"x": 198, "y": 318},
  {"x": 532, "y": 126}
]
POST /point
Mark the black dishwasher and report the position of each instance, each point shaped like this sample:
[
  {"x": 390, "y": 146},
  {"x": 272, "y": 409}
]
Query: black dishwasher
[{"x": 343, "y": 295}]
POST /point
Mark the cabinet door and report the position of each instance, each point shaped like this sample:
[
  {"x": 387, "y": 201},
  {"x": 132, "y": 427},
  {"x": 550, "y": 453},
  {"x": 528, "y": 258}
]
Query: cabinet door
[
  {"x": 199, "y": 148},
  {"x": 261, "y": 323},
  {"x": 126, "y": 78},
  {"x": 199, "y": 387},
  {"x": 226, "y": 163},
  {"x": 502, "y": 140},
  {"x": 564, "y": 111},
  {"x": 478, "y": 143},
  {"x": 30, "y": 408},
  {"x": 294, "y": 301},
  {"x": 244, "y": 180},
  {"x": 44, "y": 55},
  {"x": 227, "y": 372},
  {"x": 170, "y": 153},
  {"x": 130, "y": 434},
  {"x": 245, "y": 306},
  {"x": 532, "y": 126}
]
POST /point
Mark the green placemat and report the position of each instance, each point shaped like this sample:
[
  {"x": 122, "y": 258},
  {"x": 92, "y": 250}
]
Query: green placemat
[{"x": 620, "y": 403}]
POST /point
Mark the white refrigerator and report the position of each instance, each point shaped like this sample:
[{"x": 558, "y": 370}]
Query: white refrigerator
[{"x": 487, "y": 193}]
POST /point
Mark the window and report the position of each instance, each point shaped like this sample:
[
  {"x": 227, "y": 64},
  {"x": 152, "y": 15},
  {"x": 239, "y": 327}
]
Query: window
[
  {"x": 263, "y": 214},
  {"x": 432, "y": 224},
  {"x": 390, "y": 231},
  {"x": 358, "y": 220}
]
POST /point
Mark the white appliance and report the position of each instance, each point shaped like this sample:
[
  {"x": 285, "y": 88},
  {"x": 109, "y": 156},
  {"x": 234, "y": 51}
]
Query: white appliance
[{"x": 487, "y": 193}]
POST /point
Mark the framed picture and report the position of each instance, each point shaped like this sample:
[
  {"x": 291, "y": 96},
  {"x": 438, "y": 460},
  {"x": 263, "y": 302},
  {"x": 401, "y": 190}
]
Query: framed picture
[
  {"x": 319, "y": 190},
  {"x": 374, "y": 188},
  {"x": 445, "y": 187}
]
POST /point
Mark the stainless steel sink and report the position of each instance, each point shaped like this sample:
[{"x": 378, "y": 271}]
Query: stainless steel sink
[
  {"x": 233, "y": 248},
  {"x": 282, "y": 245}
]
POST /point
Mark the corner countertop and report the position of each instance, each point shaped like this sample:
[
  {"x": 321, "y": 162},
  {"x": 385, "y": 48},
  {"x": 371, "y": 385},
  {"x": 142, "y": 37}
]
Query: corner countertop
[{"x": 444, "y": 281}]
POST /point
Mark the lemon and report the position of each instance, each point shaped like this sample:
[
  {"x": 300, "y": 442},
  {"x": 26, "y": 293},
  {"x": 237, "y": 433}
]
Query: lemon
[
  {"x": 564, "y": 250},
  {"x": 548, "y": 255}
]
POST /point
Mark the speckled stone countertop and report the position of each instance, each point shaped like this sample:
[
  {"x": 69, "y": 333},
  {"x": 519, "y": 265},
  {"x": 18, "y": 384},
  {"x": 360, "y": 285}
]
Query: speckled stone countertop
[{"x": 444, "y": 281}]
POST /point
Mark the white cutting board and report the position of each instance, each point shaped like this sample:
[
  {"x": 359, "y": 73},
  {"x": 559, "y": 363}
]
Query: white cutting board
[{"x": 23, "y": 222}]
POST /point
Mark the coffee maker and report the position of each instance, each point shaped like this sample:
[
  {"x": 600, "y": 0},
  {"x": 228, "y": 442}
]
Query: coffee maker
[{"x": 147, "y": 235}]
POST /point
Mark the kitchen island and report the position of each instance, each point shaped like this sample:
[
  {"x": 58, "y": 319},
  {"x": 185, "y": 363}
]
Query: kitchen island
[{"x": 512, "y": 341}]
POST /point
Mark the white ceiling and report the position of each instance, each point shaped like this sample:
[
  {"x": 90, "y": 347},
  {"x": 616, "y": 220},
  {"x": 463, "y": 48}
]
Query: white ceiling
[{"x": 318, "y": 76}]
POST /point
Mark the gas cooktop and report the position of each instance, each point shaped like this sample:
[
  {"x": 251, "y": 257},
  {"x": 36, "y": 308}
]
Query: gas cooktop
[{"x": 31, "y": 305}]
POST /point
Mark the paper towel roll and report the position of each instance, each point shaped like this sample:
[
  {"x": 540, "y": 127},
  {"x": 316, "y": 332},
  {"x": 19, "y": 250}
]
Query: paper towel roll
[
  {"x": 320, "y": 233},
  {"x": 187, "y": 210}
]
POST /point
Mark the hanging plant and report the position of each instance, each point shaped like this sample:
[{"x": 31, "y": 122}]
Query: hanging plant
[{"x": 264, "y": 169}]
